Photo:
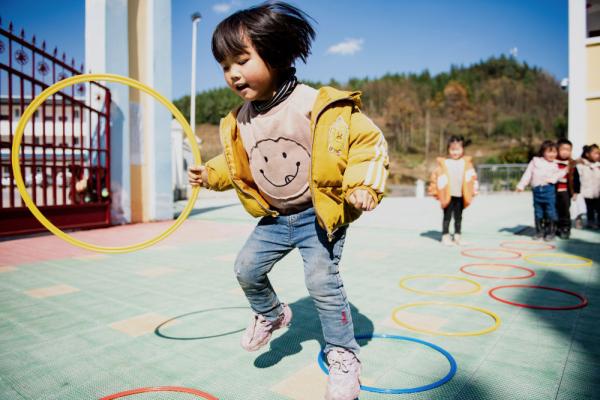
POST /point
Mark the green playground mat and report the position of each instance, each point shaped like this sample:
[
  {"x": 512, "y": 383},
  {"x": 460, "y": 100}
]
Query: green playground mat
[{"x": 88, "y": 327}]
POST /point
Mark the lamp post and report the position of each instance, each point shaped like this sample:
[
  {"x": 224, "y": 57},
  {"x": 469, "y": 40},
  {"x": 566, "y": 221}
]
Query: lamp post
[{"x": 196, "y": 17}]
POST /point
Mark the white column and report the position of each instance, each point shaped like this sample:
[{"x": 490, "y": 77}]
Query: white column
[
  {"x": 577, "y": 75},
  {"x": 106, "y": 50},
  {"x": 178, "y": 172},
  {"x": 157, "y": 135}
]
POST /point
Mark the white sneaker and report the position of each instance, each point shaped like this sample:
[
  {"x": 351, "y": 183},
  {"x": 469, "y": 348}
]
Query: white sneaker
[
  {"x": 343, "y": 382},
  {"x": 259, "y": 331},
  {"x": 446, "y": 240},
  {"x": 457, "y": 239}
]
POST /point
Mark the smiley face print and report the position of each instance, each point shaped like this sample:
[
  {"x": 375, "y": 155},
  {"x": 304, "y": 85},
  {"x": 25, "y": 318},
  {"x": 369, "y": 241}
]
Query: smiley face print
[{"x": 280, "y": 167}]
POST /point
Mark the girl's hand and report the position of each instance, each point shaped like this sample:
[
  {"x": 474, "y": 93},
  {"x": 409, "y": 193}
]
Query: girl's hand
[
  {"x": 518, "y": 189},
  {"x": 362, "y": 200},
  {"x": 198, "y": 176}
]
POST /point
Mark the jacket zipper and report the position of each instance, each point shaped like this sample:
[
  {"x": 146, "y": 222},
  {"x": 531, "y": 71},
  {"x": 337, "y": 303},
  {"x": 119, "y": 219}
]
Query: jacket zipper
[
  {"x": 330, "y": 235},
  {"x": 270, "y": 212}
]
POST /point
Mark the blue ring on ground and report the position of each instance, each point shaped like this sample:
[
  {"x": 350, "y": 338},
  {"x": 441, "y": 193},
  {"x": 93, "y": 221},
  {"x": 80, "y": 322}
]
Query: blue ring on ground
[{"x": 449, "y": 375}]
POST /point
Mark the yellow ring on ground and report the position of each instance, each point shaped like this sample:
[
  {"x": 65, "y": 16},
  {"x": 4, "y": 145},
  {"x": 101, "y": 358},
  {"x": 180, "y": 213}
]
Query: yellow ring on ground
[
  {"x": 497, "y": 320},
  {"x": 477, "y": 286},
  {"x": 39, "y": 100},
  {"x": 588, "y": 262}
]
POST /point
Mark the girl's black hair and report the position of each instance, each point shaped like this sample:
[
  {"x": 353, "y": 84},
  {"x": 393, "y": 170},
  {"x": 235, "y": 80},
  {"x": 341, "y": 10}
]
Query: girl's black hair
[
  {"x": 458, "y": 139},
  {"x": 280, "y": 33},
  {"x": 547, "y": 144},
  {"x": 587, "y": 149}
]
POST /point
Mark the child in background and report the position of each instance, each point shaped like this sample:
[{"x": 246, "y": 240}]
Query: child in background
[
  {"x": 454, "y": 184},
  {"x": 308, "y": 162},
  {"x": 589, "y": 173},
  {"x": 567, "y": 187},
  {"x": 543, "y": 173}
]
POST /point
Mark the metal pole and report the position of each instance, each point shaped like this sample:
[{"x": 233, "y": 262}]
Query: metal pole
[{"x": 195, "y": 20}]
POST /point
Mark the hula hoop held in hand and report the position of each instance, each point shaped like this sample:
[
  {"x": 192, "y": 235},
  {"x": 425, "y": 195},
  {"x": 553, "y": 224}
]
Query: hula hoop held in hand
[{"x": 39, "y": 100}]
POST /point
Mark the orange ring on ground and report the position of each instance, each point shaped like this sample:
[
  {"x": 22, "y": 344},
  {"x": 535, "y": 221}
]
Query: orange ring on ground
[
  {"x": 516, "y": 254},
  {"x": 530, "y": 271},
  {"x": 583, "y": 301},
  {"x": 508, "y": 245},
  {"x": 160, "y": 389}
]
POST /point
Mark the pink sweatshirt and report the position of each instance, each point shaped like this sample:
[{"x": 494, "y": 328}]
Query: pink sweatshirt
[{"x": 541, "y": 172}]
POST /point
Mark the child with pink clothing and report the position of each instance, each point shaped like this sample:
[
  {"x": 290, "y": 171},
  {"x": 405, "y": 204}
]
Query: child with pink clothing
[{"x": 542, "y": 174}]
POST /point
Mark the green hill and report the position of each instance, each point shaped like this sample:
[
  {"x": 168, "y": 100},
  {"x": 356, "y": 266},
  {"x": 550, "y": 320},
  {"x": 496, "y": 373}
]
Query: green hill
[{"x": 503, "y": 106}]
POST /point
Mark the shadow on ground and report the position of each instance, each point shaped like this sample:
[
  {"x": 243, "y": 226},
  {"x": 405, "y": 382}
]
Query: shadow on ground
[
  {"x": 306, "y": 327},
  {"x": 526, "y": 230},
  {"x": 580, "y": 326},
  {"x": 434, "y": 235},
  {"x": 583, "y": 248},
  {"x": 519, "y": 230}
]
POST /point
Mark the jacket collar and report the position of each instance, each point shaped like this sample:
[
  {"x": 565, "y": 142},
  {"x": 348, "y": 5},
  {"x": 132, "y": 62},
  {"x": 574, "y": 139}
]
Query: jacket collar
[
  {"x": 229, "y": 123},
  {"x": 326, "y": 96}
]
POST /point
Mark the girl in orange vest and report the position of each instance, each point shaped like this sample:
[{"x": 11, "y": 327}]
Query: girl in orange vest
[{"x": 454, "y": 184}]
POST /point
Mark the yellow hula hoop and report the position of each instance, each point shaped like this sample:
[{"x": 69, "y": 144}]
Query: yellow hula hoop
[
  {"x": 497, "y": 320},
  {"x": 39, "y": 100},
  {"x": 476, "y": 286},
  {"x": 587, "y": 262}
]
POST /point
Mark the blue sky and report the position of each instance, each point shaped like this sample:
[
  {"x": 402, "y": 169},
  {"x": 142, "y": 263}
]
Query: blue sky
[{"x": 355, "y": 38}]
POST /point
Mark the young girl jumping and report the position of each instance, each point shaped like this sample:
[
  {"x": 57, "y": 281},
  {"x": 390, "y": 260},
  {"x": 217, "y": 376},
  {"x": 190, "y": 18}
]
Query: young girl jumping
[
  {"x": 308, "y": 162},
  {"x": 454, "y": 184},
  {"x": 542, "y": 173}
]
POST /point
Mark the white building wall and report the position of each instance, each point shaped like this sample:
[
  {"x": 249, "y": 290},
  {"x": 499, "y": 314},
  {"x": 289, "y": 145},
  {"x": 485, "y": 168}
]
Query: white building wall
[
  {"x": 577, "y": 75},
  {"x": 142, "y": 144}
]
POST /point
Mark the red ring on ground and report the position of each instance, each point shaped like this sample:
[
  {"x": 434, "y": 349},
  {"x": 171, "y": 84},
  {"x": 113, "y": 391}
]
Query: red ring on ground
[
  {"x": 516, "y": 254},
  {"x": 160, "y": 389},
  {"x": 507, "y": 245},
  {"x": 530, "y": 271},
  {"x": 583, "y": 302}
]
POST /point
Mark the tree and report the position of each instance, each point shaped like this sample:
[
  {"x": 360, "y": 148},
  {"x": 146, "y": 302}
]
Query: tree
[{"x": 498, "y": 102}]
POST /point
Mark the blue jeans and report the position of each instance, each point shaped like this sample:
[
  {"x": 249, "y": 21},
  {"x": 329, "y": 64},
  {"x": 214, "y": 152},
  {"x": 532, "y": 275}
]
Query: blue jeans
[
  {"x": 544, "y": 202},
  {"x": 271, "y": 240}
]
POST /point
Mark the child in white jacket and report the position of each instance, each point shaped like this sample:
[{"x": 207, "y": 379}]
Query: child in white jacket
[{"x": 589, "y": 175}]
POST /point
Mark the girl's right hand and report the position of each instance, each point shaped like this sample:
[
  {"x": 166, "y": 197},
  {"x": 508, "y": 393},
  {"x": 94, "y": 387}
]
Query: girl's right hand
[{"x": 198, "y": 176}]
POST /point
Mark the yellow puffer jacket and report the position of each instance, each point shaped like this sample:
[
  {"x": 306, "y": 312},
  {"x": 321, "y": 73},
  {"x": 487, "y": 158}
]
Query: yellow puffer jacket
[
  {"x": 348, "y": 152},
  {"x": 439, "y": 183}
]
